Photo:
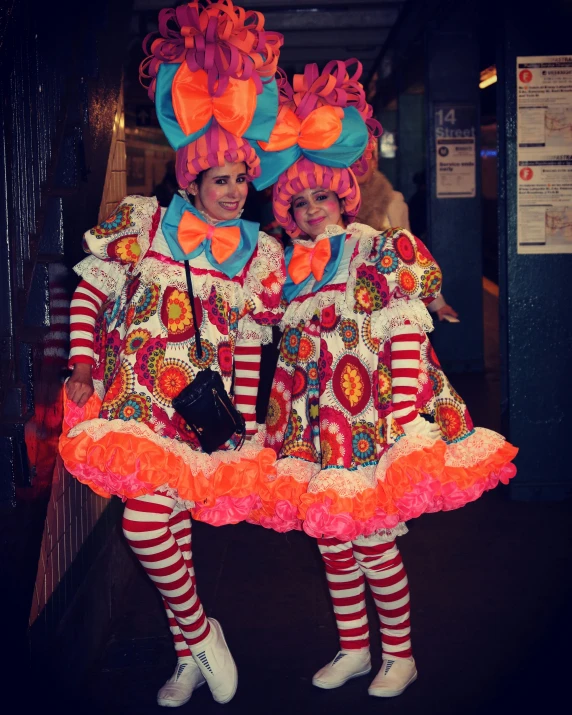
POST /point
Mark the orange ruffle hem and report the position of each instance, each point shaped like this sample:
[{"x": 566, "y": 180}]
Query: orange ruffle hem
[{"x": 128, "y": 465}]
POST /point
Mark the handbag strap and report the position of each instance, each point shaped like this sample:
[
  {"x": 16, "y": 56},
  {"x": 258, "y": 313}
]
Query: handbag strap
[{"x": 193, "y": 311}]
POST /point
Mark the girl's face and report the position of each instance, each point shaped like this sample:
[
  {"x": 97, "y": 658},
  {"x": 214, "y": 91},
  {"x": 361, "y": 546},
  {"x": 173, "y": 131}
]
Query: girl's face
[
  {"x": 314, "y": 209},
  {"x": 222, "y": 191}
]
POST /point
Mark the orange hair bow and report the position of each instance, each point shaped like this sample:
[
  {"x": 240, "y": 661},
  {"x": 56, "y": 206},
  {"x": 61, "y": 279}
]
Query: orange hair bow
[
  {"x": 309, "y": 259},
  {"x": 319, "y": 130},
  {"x": 194, "y": 105},
  {"x": 192, "y": 232}
]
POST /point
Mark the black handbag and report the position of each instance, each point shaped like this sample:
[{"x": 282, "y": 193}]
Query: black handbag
[{"x": 204, "y": 404}]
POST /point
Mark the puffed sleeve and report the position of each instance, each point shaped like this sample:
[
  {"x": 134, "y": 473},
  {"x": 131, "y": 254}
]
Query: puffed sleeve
[
  {"x": 117, "y": 244},
  {"x": 263, "y": 285},
  {"x": 395, "y": 280}
]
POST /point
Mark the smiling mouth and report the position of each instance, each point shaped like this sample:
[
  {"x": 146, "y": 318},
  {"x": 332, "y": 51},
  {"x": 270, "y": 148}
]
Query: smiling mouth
[
  {"x": 314, "y": 221},
  {"x": 229, "y": 205}
]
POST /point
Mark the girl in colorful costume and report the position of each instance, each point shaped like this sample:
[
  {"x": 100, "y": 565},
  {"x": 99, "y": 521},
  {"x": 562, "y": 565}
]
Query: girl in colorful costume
[
  {"x": 212, "y": 78},
  {"x": 355, "y": 377}
]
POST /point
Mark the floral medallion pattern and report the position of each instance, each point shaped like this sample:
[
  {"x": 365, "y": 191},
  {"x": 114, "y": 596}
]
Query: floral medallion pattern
[
  {"x": 119, "y": 220},
  {"x": 172, "y": 377}
]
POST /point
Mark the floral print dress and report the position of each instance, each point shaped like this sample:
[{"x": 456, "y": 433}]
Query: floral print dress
[
  {"x": 345, "y": 467},
  {"x": 128, "y": 440}
]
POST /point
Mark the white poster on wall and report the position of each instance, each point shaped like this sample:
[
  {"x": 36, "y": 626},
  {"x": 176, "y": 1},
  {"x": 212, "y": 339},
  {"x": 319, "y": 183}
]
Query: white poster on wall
[
  {"x": 544, "y": 154},
  {"x": 455, "y": 159}
]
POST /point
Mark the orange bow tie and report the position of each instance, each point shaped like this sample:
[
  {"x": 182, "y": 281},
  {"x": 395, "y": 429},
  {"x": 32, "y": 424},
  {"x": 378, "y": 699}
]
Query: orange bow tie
[
  {"x": 192, "y": 232},
  {"x": 319, "y": 130},
  {"x": 309, "y": 259},
  {"x": 194, "y": 106}
]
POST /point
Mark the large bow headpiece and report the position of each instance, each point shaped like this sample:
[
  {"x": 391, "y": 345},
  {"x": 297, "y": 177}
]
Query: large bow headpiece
[
  {"x": 321, "y": 118},
  {"x": 215, "y": 61}
]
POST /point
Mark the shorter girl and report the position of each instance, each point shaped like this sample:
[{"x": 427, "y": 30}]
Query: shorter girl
[{"x": 356, "y": 374}]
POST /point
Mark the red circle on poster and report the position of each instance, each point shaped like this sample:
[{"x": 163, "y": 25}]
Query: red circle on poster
[
  {"x": 526, "y": 173},
  {"x": 525, "y": 76}
]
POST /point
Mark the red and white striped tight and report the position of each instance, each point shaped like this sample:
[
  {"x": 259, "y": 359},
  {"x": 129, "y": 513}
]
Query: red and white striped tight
[
  {"x": 247, "y": 356},
  {"x": 180, "y": 526},
  {"x": 160, "y": 536},
  {"x": 347, "y": 563}
]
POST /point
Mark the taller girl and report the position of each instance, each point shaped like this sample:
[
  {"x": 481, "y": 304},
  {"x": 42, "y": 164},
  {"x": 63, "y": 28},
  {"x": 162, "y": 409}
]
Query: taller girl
[{"x": 211, "y": 72}]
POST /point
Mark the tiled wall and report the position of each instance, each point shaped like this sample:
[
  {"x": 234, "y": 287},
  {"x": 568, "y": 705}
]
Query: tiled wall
[
  {"x": 148, "y": 158},
  {"x": 72, "y": 513},
  {"x": 74, "y": 509},
  {"x": 116, "y": 178}
]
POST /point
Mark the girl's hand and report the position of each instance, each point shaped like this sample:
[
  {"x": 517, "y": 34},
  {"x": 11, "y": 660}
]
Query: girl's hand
[
  {"x": 79, "y": 387},
  {"x": 446, "y": 310},
  {"x": 422, "y": 428}
]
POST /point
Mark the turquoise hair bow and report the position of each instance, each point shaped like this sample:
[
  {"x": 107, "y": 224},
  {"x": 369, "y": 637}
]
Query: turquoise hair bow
[
  {"x": 346, "y": 150},
  {"x": 260, "y": 128}
]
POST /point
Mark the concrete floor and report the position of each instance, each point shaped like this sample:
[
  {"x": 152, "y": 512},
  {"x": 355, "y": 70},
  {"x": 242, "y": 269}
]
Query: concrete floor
[{"x": 491, "y": 585}]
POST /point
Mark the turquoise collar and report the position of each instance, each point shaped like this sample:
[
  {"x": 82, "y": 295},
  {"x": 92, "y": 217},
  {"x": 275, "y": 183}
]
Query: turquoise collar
[{"x": 232, "y": 266}]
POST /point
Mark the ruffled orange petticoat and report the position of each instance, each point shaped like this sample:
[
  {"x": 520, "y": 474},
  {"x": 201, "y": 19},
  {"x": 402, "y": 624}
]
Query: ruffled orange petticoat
[
  {"x": 419, "y": 482},
  {"x": 118, "y": 462}
]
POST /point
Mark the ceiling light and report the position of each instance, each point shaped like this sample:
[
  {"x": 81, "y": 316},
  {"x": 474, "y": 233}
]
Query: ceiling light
[{"x": 488, "y": 77}]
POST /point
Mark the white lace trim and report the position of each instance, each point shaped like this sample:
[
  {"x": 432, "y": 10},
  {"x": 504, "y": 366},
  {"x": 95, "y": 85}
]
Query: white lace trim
[
  {"x": 174, "y": 494},
  {"x": 99, "y": 389},
  {"x": 475, "y": 448},
  {"x": 402, "y": 448},
  {"x": 345, "y": 482},
  {"x": 302, "y": 311},
  {"x": 468, "y": 452},
  {"x": 196, "y": 461},
  {"x": 362, "y": 230},
  {"x": 249, "y": 330},
  {"x": 398, "y": 313},
  {"x": 268, "y": 259},
  {"x": 107, "y": 276},
  {"x": 299, "y": 469},
  {"x": 152, "y": 270},
  {"x": 357, "y": 230},
  {"x": 382, "y": 536}
]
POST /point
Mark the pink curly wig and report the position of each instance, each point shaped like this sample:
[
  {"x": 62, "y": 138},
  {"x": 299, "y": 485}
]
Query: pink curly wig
[
  {"x": 305, "y": 174},
  {"x": 361, "y": 166},
  {"x": 214, "y": 148},
  {"x": 334, "y": 86}
]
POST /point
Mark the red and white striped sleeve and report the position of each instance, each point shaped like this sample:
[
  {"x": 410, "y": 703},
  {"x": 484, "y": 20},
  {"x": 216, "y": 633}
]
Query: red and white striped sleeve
[
  {"x": 85, "y": 305},
  {"x": 247, "y": 356},
  {"x": 56, "y": 342},
  {"x": 405, "y": 365}
]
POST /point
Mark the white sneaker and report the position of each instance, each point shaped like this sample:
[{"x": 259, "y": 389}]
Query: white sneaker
[
  {"x": 216, "y": 664},
  {"x": 345, "y": 666},
  {"x": 395, "y": 675},
  {"x": 178, "y": 689}
]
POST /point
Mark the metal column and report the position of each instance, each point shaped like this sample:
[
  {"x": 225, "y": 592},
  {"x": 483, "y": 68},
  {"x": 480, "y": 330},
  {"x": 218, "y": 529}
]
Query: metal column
[{"x": 454, "y": 235}]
